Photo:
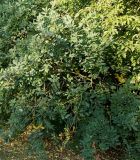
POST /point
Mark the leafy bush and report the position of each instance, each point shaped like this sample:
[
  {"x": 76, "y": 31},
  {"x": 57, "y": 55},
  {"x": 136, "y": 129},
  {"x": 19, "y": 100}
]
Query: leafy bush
[{"x": 69, "y": 72}]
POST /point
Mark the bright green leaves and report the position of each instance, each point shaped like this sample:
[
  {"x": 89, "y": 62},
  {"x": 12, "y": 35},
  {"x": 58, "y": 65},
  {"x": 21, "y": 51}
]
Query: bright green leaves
[{"x": 120, "y": 30}]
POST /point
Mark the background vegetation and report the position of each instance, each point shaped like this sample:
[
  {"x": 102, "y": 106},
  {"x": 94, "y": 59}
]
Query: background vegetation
[{"x": 71, "y": 70}]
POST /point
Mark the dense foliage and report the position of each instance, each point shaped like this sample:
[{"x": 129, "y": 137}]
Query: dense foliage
[{"x": 71, "y": 69}]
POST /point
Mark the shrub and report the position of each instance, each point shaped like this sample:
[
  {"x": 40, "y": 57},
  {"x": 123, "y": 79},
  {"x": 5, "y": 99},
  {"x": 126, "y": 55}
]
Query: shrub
[{"x": 69, "y": 71}]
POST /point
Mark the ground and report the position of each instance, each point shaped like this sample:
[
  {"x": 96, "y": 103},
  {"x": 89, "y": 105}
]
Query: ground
[{"x": 16, "y": 150}]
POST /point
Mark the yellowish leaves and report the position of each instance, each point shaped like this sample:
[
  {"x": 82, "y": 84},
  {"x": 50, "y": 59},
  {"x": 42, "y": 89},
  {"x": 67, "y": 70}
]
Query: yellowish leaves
[
  {"x": 66, "y": 136},
  {"x": 38, "y": 127},
  {"x": 120, "y": 78},
  {"x": 1, "y": 141}
]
